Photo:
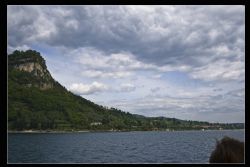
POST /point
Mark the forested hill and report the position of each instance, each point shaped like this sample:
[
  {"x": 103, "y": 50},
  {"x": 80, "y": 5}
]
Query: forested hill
[{"x": 37, "y": 102}]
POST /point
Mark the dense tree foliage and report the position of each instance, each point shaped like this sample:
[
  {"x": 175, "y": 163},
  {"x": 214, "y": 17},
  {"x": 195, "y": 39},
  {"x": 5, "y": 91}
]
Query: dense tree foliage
[{"x": 30, "y": 107}]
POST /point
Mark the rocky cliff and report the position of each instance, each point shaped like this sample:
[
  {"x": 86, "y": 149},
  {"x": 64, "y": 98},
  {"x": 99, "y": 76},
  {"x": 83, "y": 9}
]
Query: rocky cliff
[{"x": 31, "y": 62}]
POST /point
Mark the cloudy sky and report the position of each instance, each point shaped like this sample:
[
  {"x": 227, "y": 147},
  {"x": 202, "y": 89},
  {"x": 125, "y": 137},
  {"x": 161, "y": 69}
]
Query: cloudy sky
[{"x": 186, "y": 62}]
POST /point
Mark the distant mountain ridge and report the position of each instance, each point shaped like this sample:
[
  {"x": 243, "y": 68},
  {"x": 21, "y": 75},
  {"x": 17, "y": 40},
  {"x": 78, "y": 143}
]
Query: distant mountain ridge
[{"x": 36, "y": 101}]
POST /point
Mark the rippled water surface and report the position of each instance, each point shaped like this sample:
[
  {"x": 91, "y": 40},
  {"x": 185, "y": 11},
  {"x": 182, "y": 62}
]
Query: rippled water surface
[{"x": 115, "y": 147}]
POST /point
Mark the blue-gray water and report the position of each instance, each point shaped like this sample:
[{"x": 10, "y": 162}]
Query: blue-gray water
[{"x": 115, "y": 147}]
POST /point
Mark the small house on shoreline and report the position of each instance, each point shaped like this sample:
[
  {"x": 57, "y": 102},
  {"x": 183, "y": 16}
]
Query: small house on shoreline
[{"x": 95, "y": 123}]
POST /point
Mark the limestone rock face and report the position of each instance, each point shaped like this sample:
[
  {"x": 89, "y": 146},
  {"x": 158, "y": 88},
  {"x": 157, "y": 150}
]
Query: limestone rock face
[
  {"x": 30, "y": 67},
  {"x": 36, "y": 66}
]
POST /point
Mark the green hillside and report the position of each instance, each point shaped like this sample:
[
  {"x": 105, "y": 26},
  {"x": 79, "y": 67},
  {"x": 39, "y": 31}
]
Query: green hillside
[{"x": 36, "y": 101}]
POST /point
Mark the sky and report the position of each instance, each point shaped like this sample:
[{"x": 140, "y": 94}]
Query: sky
[{"x": 186, "y": 62}]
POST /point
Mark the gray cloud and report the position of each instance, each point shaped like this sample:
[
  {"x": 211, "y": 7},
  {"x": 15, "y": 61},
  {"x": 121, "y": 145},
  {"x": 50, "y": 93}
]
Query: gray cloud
[
  {"x": 127, "y": 87},
  {"x": 155, "y": 89},
  {"x": 123, "y": 42},
  {"x": 162, "y": 35},
  {"x": 198, "y": 107},
  {"x": 217, "y": 89}
]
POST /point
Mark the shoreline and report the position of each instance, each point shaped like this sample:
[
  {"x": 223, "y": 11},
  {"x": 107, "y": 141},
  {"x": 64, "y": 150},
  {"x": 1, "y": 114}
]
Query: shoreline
[
  {"x": 91, "y": 131},
  {"x": 45, "y": 131}
]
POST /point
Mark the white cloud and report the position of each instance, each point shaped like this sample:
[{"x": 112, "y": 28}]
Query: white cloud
[
  {"x": 127, "y": 87},
  {"x": 220, "y": 70},
  {"x": 97, "y": 87},
  {"x": 199, "y": 107},
  {"x": 102, "y": 74},
  {"x": 157, "y": 76},
  {"x": 98, "y": 64},
  {"x": 93, "y": 58},
  {"x": 85, "y": 89}
]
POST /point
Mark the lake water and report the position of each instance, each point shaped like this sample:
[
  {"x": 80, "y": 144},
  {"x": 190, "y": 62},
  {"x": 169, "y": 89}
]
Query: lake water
[{"x": 116, "y": 147}]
